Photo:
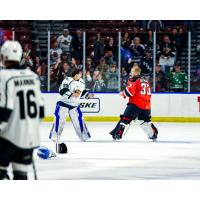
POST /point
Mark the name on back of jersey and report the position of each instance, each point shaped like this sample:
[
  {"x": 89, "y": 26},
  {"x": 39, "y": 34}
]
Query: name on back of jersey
[{"x": 24, "y": 82}]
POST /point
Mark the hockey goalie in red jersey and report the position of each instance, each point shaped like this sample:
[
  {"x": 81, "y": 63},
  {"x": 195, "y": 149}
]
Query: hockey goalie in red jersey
[{"x": 138, "y": 108}]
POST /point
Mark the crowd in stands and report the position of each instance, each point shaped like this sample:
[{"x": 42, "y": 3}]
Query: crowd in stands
[
  {"x": 30, "y": 58},
  {"x": 66, "y": 54},
  {"x": 136, "y": 48},
  {"x": 33, "y": 61},
  {"x": 101, "y": 72}
]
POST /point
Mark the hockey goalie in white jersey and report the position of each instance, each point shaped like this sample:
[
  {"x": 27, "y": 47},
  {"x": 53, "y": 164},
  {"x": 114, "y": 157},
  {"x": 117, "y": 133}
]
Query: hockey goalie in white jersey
[{"x": 71, "y": 90}]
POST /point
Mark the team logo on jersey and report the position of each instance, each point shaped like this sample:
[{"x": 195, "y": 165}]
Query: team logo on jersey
[{"x": 90, "y": 105}]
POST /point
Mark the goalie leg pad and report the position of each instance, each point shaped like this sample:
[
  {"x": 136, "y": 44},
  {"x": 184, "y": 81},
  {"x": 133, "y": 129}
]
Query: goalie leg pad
[
  {"x": 80, "y": 127},
  {"x": 154, "y": 129},
  {"x": 121, "y": 128},
  {"x": 149, "y": 129},
  {"x": 59, "y": 121}
]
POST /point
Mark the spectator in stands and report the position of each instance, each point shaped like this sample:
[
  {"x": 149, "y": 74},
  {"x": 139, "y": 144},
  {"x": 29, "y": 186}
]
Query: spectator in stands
[
  {"x": 111, "y": 49},
  {"x": 126, "y": 41},
  {"x": 37, "y": 61},
  {"x": 166, "y": 53},
  {"x": 88, "y": 80},
  {"x": 135, "y": 33},
  {"x": 77, "y": 44},
  {"x": 196, "y": 76},
  {"x": 178, "y": 80},
  {"x": 64, "y": 58},
  {"x": 147, "y": 63},
  {"x": 149, "y": 40},
  {"x": 195, "y": 79},
  {"x": 176, "y": 40},
  {"x": 137, "y": 51},
  {"x": 64, "y": 62},
  {"x": 183, "y": 38},
  {"x": 41, "y": 71},
  {"x": 65, "y": 42},
  {"x": 89, "y": 65},
  {"x": 99, "y": 85},
  {"x": 124, "y": 78},
  {"x": 95, "y": 74},
  {"x": 73, "y": 64},
  {"x": 54, "y": 76},
  {"x": 55, "y": 53},
  {"x": 161, "y": 80},
  {"x": 112, "y": 78},
  {"x": 125, "y": 49},
  {"x": 102, "y": 67},
  {"x": 78, "y": 64},
  {"x": 109, "y": 58},
  {"x": 27, "y": 60},
  {"x": 63, "y": 71},
  {"x": 98, "y": 48}
]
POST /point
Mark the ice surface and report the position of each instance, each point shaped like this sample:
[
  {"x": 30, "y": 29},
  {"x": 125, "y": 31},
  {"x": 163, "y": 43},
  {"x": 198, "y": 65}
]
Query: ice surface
[{"x": 176, "y": 155}]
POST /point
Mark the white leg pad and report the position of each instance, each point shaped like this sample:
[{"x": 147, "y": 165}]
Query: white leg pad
[
  {"x": 146, "y": 127},
  {"x": 59, "y": 122},
  {"x": 80, "y": 127}
]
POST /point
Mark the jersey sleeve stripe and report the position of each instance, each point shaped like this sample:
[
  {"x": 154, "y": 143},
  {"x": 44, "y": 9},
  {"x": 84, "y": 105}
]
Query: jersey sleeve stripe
[
  {"x": 63, "y": 91},
  {"x": 127, "y": 93}
]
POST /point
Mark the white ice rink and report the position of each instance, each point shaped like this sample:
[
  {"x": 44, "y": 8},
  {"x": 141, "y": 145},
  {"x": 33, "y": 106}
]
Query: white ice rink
[{"x": 176, "y": 155}]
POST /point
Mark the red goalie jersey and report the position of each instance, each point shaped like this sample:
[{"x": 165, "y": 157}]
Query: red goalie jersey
[{"x": 139, "y": 93}]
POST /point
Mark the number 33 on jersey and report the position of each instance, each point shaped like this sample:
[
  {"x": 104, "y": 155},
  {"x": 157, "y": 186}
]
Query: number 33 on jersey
[{"x": 139, "y": 93}]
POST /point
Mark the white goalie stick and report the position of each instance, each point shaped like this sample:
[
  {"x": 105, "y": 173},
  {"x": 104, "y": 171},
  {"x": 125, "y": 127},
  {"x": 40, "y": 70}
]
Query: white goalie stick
[
  {"x": 56, "y": 140},
  {"x": 57, "y": 143}
]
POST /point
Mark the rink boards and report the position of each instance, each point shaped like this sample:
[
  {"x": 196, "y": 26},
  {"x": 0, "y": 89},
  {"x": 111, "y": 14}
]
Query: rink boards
[{"x": 108, "y": 107}]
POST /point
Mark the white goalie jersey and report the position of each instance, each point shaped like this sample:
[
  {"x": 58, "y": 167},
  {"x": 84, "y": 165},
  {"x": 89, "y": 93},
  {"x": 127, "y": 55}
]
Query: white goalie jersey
[
  {"x": 21, "y": 107},
  {"x": 68, "y": 87}
]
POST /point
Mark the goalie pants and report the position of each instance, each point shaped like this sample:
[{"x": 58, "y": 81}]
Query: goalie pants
[
  {"x": 132, "y": 112},
  {"x": 76, "y": 117}
]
